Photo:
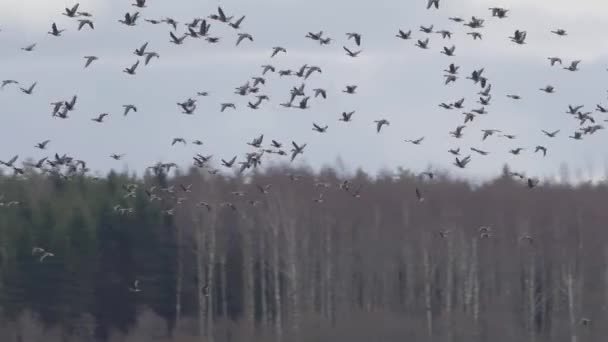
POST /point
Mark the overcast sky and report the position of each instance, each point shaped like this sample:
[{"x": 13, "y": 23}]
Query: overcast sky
[{"x": 396, "y": 81}]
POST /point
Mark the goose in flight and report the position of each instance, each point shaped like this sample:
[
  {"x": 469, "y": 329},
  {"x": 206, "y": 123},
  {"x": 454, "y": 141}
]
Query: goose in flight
[
  {"x": 237, "y": 24},
  {"x": 37, "y": 251},
  {"x": 576, "y": 136},
  {"x": 220, "y": 16},
  {"x": 100, "y": 117},
  {"x": 149, "y": 56},
  {"x": 457, "y": 133},
  {"x": 543, "y": 149},
  {"x": 129, "y": 19},
  {"x": 321, "y": 92},
  {"x": 227, "y": 105},
  {"x": 7, "y": 82},
  {"x": 242, "y": 36},
  {"x": 423, "y": 44},
  {"x": 560, "y": 32},
  {"x": 445, "y": 105},
  {"x": 297, "y": 149},
  {"x": 350, "y": 89},
  {"x": 514, "y": 96},
  {"x": 83, "y": 22},
  {"x": 29, "y": 90},
  {"x": 456, "y": 19},
  {"x": 445, "y": 34},
  {"x": 89, "y": 60},
  {"x": 404, "y": 35},
  {"x": 551, "y": 134},
  {"x": 257, "y": 142},
  {"x": 116, "y": 156},
  {"x": 416, "y": 141},
  {"x": 355, "y": 36},
  {"x": 228, "y": 163},
  {"x": 431, "y": 3},
  {"x": 139, "y": 3},
  {"x": 452, "y": 69},
  {"x": 519, "y": 37},
  {"x": 128, "y": 108},
  {"x": 42, "y": 145},
  {"x": 178, "y": 140},
  {"x": 499, "y": 12},
  {"x": 419, "y": 195},
  {"x": 29, "y": 48},
  {"x": 532, "y": 182},
  {"x": 428, "y": 29},
  {"x": 488, "y": 132},
  {"x": 55, "y": 31},
  {"x": 318, "y": 128},
  {"x": 475, "y": 35},
  {"x": 573, "y": 66},
  {"x": 455, "y": 151},
  {"x": 554, "y": 60},
  {"x": 140, "y": 52},
  {"x": 516, "y": 151},
  {"x": 347, "y": 117},
  {"x": 351, "y": 53},
  {"x": 548, "y": 89},
  {"x": 135, "y": 287},
  {"x": 483, "y": 153},
  {"x": 380, "y": 123},
  {"x": 276, "y": 50},
  {"x": 177, "y": 40},
  {"x": 449, "y": 51},
  {"x": 71, "y": 12},
  {"x": 131, "y": 70},
  {"x": 10, "y": 162},
  {"x": 462, "y": 163}
]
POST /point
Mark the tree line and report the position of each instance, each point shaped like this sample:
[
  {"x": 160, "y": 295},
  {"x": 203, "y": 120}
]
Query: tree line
[{"x": 295, "y": 255}]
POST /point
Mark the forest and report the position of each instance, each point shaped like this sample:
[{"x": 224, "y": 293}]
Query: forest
[{"x": 297, "y": 255}]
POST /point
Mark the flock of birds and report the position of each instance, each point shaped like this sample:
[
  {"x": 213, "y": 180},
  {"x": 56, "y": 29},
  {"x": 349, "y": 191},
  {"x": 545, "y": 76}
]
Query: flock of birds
[{"x": 299, "y": 98}]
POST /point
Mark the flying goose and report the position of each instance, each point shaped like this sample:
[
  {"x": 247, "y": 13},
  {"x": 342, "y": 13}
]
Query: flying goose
[
  {"x": 351, "y": 53},
  {"x": 83, "y": 22},
  {"x": 149, "y": 56},
  {"x": 29, "y": 48},
  {"x": 276, "y": 50},
  {"x": 321, "y": 92},
  {"x": 455, "y": 151},
  {"x": 462, "y": 163},
  {"x": 428, "y": 29},
  {"x": 573, "y": 66},
  {"x": 560, "y": 32},
  {"x": 445, "y": 105},
  {"x": 257, "y": 142},
  {"x": 456, "y": 19},
  {"x": 514, "y": 97},
  {"x": 100, "y": 118},
  {"x": 10, "y": 162},
  {"x": 548, "y": 89},
  {"x": 431, "y": 3},
  {"x": 139, "y": 3},
  {"x": 177, "y": 40},
  {"x": 499, "y": 12},
  {"x": 457, "y": 133},
  {"x": 131, "y": 70},
  {"x": 318, "y": 128},
  {"x": 475, "y": 35},
  {"x": 71, "y": 12},
  {"x": 448, "y": 51},
  {"x": 242, "y": 36},
  {"x": 404, "y": 35},
  {"x": 7, "y": 82},
  {"x": 541, "y": 148},
  {"x": 227, "y": 105},
  {"x": 347, "y": 117},
  {"x": 42, "y": 253},
  {"x": 475, "y": 23},
  {"x": 129, "y": 19},
  {"x": 423, "y": 44},
  {"x": 178, "y": 140},
  {"x": 532, "y": 182},
  {"x": 237, "y": 24},
  {"x": 116, "y": 156},
  {"x": 42, "y": 145},
  {"x": 445, "y": 34},
  {"x": 29, "y": 90},
  {"x": 419, "y": 195},
  {"x": 416, "y": 141},
  {"x": 380, "y": 123},
  {"x": 220, "y": 16},
  {"x": 519, "y": 37},
  {"x": 228, "y": 163},
  {"x": 452, "y": 69},
  {"x": 483, "y": 153},
  {"x": 297, "y": 149},
  {"x": 350, "y": 89},
  {"x": 355, "y": 36},
  {"x": 141, "y": 51},
  {"x": 516, "y": 151},
  {"x": 554, "y": 60},
  {"x": 488, "y": 132},
  {"x": 90, "y": 59},
  {"x": 576, "y": 136},
  {"x": 54, "y": 31},
  {"x": 304, "y": 103}
]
